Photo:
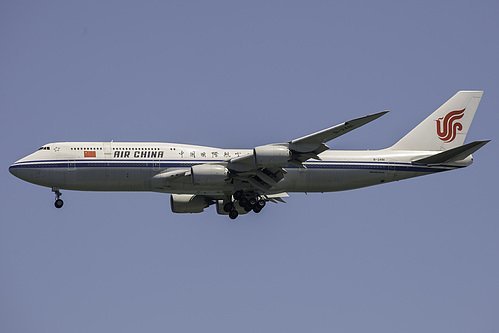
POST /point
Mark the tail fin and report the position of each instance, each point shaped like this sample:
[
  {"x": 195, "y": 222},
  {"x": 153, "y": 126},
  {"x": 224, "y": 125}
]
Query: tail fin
[{"x": 446, "y": 128}]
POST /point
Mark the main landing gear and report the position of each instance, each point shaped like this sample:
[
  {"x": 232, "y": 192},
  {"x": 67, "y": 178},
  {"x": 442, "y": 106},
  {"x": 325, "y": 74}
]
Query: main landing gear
[
  {"x": 248, "y": 202},
  {"x": 58, "y": 202}
]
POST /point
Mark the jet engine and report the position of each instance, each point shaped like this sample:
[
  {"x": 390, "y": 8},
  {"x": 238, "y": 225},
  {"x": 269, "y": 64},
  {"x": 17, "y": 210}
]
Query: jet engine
[
  {"x": 208, "y": 174},
  {"x": 188, "y": 203},
  {"x": 271, "y": 155}
]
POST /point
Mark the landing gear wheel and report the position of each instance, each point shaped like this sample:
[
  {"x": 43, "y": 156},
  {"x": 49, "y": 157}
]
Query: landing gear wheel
[
  {"x": 238, "y": 195},
  {"x": 228, "y": 207},
  {"x": 257, "y": 209},
  {"x": 252, "y": 202},
  {"x": 248, "y": 208},
  {"x": 58, "y": 203},
  {"x": 243, "y": 202},
  {"x": 260, "y": 203},
  {"x": 233, "y": 214}
]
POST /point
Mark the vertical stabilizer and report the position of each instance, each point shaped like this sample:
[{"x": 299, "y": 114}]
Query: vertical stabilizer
[{"x": 446, "y": 128}]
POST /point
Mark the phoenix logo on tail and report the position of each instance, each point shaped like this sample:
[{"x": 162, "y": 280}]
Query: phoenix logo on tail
[{"x": 447, "y": 126}]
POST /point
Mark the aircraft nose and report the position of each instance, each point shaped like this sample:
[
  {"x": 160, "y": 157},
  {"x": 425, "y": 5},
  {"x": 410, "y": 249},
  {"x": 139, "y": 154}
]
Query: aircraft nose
[
  {"x": 16, "y": 168},
  {"x": 13, "y": 170}
]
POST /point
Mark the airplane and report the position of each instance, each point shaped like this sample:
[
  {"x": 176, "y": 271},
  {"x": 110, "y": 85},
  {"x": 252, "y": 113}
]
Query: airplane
[{"x": 238, "y": 181}]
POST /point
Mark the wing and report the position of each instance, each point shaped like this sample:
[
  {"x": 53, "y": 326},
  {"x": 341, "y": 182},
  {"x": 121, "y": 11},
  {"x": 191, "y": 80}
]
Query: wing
[
  {"x": 263, "y": 168},
  {"x": 308, "y": 146},
  {"x": 316, "y": 142}
]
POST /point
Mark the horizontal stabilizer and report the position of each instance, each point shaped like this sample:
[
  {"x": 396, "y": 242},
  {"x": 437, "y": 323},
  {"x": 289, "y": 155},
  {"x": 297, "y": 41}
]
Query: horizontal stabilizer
[{"x": 454, "y": 154}]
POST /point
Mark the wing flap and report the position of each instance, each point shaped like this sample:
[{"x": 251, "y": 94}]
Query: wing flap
[{"x": 277, "y": 197}]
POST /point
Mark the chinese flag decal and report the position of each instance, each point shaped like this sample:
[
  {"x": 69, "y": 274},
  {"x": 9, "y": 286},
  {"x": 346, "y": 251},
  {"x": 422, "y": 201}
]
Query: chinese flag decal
[{"x": 89, "y": 153}]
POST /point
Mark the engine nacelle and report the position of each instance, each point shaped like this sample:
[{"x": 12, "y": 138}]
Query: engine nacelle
[
  {"x": 267, "y": 156},
  {"x": 188, "y": 203},
  {"x": 208, "y": 174}
]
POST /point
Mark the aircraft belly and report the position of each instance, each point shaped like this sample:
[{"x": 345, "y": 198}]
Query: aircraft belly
[
  {"x": 108, "y": 179},
  {"x": 43, "y": 176},
  {"x": 330, "y": 180}
]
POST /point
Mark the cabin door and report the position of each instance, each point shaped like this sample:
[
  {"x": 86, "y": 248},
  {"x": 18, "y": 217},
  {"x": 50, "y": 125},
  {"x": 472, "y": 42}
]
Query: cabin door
[
  {"x": 106, "y": 147},
  {"x": 391, "y": 170}
]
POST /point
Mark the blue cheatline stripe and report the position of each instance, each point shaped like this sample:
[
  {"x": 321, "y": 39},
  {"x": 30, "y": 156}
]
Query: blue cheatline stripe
[
  {"x": 114, "y": 160},
  {"x": 329, "y": 165}
]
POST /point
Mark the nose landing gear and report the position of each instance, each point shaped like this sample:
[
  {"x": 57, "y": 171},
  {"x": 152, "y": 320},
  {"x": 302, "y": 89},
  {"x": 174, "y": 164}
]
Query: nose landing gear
[{"x": 58, "y": 202}]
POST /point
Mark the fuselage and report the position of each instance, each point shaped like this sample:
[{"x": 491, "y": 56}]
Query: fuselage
[
  {"x": 238, "y": 181},
  {"x": 132, "y": 166}
]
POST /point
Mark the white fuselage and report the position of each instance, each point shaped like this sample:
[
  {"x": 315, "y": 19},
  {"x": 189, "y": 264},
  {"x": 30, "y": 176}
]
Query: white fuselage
[{"x": 122, "y": 166}]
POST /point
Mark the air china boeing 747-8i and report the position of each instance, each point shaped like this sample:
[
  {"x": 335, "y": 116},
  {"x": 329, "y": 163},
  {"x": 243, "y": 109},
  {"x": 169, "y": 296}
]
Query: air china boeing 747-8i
[{"x": 238, "y": 181}]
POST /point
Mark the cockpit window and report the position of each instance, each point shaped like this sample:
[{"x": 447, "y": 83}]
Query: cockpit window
[{"x": 44, "y": 148}]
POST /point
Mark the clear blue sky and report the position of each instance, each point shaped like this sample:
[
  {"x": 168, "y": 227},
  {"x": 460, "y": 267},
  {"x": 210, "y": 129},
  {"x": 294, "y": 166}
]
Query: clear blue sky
[{"x": 413, "y": 256}]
